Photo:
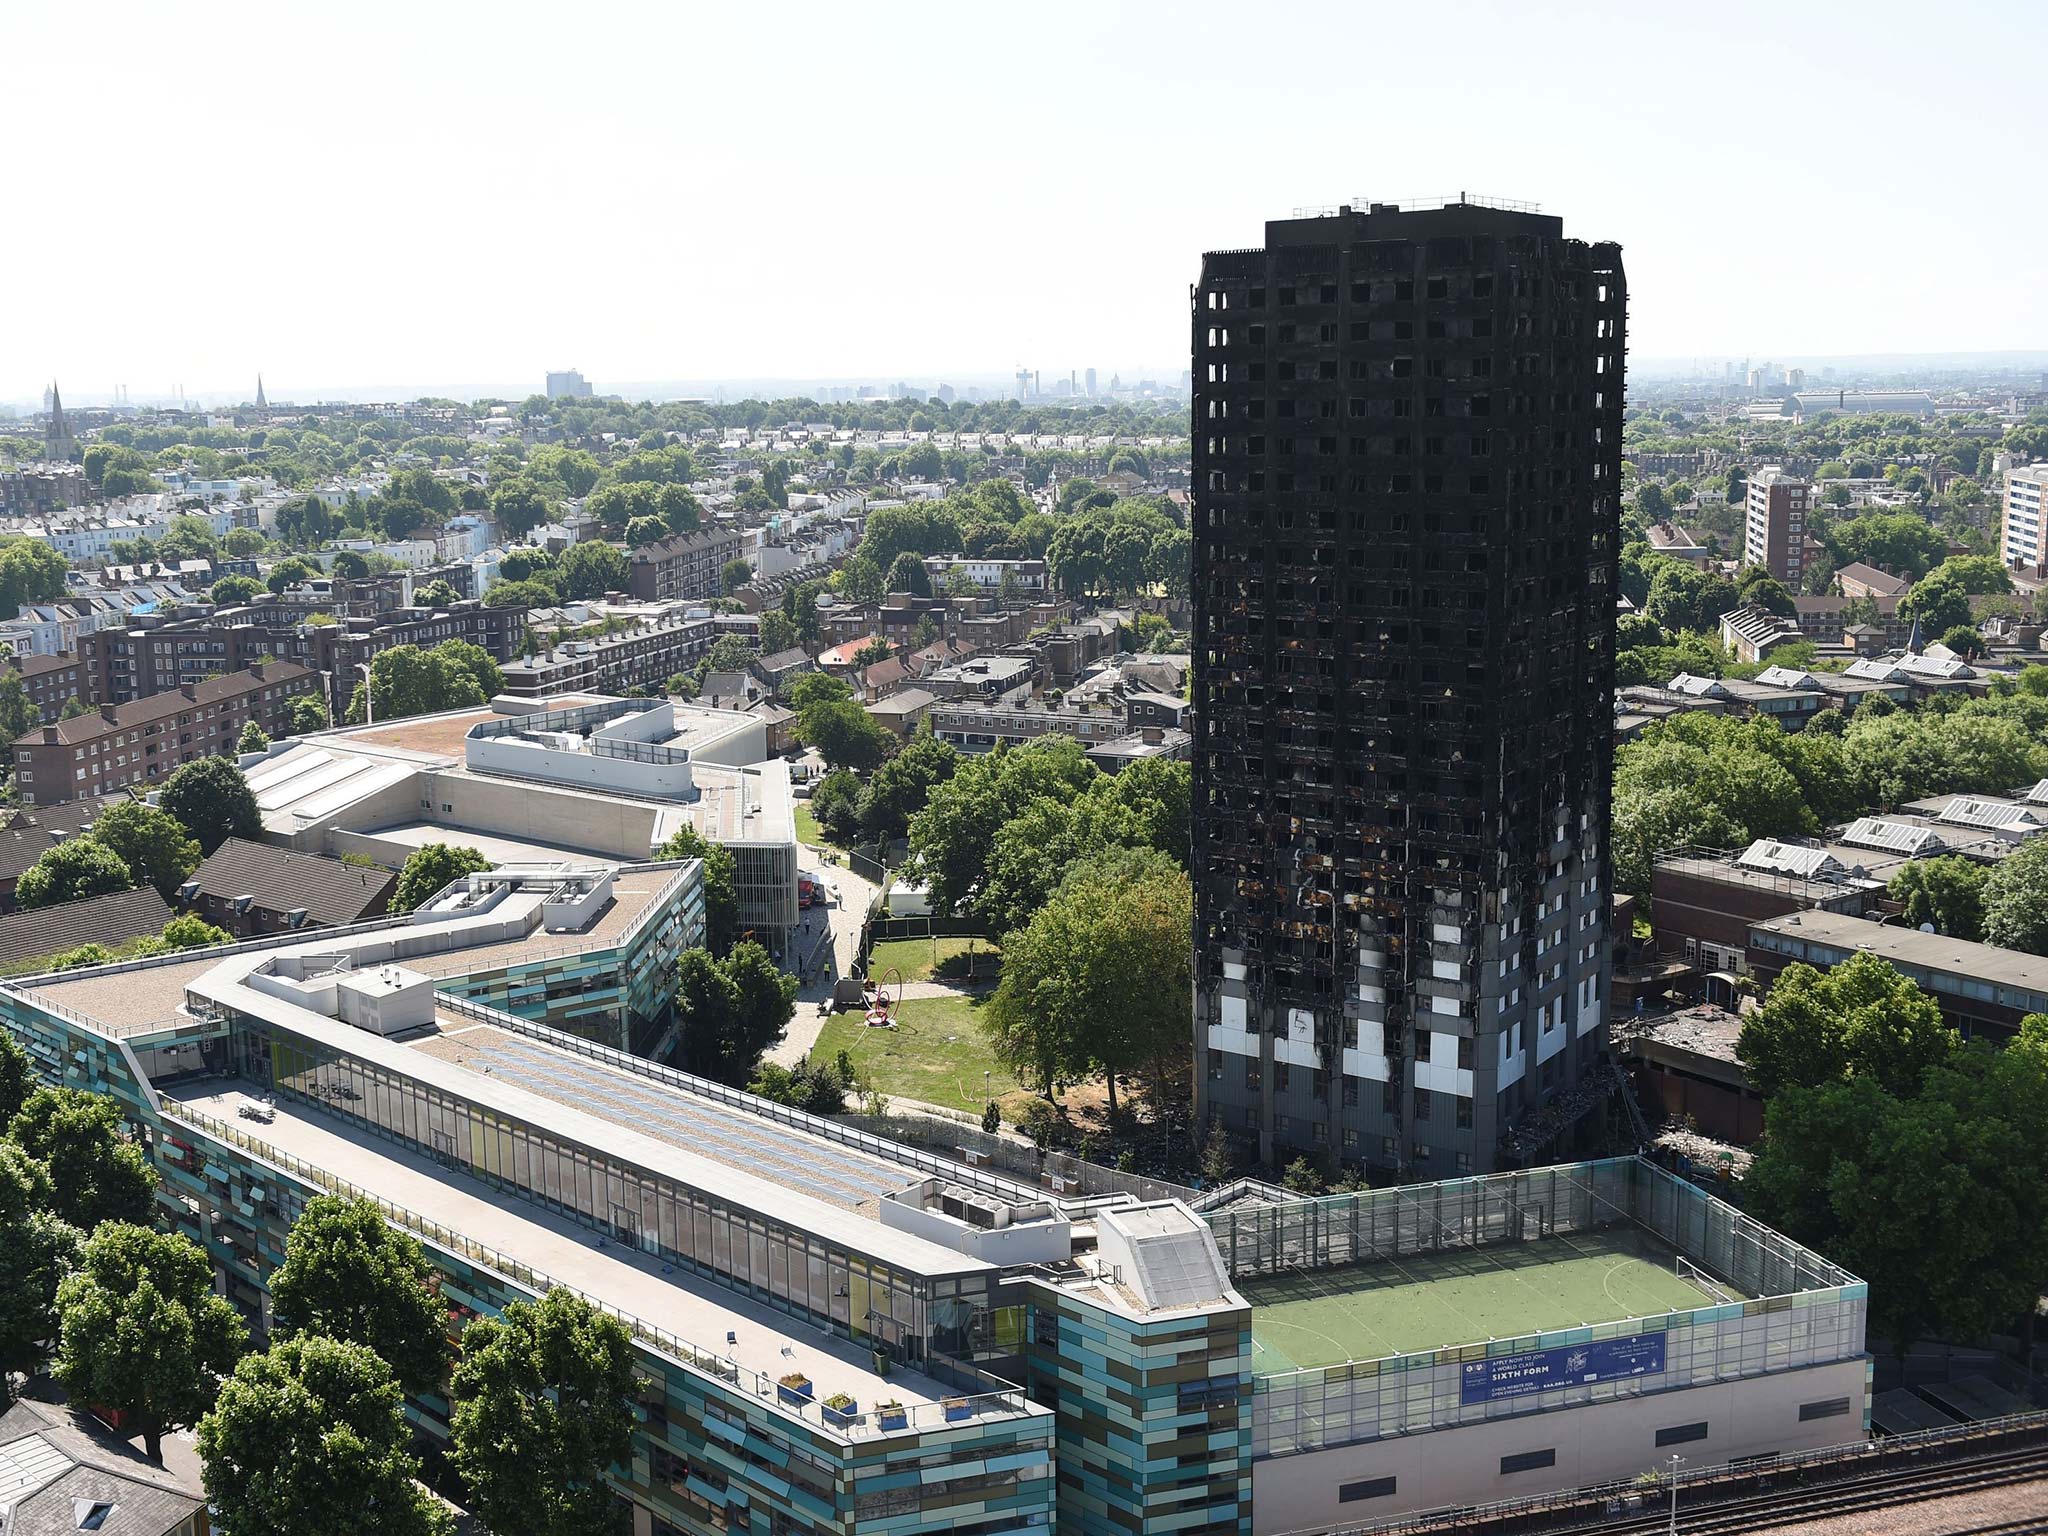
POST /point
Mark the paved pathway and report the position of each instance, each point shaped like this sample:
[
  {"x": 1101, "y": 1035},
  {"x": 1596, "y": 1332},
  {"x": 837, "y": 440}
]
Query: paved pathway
[{"x": 827, "y": 944}]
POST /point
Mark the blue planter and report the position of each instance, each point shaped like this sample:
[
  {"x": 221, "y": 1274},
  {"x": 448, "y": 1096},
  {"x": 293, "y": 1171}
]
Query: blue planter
[
  {"x": 840, "y": 1416},
  {"x": 797, "y": 1395},
  {"x": 955, "y": 1412},
  {"x": 892, "y": 1418}
]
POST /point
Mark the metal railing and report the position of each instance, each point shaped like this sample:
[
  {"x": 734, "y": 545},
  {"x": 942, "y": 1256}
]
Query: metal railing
[
  {"x": 1002, "y": 1402},
  {"x": 748, "y": 1103}
]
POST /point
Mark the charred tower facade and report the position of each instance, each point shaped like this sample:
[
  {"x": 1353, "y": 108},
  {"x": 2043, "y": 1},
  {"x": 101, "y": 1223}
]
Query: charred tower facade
[{"x": 1407, "y": 455}]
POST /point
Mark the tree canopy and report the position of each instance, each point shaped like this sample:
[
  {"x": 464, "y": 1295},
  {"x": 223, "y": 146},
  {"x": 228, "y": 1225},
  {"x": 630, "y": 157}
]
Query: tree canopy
[
  {"x": 1858, "y": 1019},
  {"x": 430, "y": 869},
  {"x": 731, "y": 1010},
  {"x": 541, "y": 1409},
  {"x": 141, "y": 1331},
  {"x": 72, "y": 871},
  {"x": 350, "y": 1275},
  {"x": 1098, "y": 979},
  {"x": 310, "y": 1437},
  {"x": 212, "y": 800},
  {"x": 96, "y": 1173}
]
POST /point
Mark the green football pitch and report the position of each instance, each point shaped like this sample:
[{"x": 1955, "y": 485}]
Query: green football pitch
[{"x": 1466, "y": 1296}]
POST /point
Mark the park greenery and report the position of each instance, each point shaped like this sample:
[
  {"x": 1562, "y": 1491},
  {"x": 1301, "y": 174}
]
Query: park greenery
[
  {"x": 1707, "y": 780},
  {"x": 730, "y": 1010}
]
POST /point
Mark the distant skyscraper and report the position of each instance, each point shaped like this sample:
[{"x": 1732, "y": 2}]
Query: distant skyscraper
[
  {"x": 1407, "y": 461},
  {"x": 1023, "y": 382},
  {"x": 58, "y": 443},
  {"x": 1090, "y": 377},
  {"x": 568, "y": 385}
]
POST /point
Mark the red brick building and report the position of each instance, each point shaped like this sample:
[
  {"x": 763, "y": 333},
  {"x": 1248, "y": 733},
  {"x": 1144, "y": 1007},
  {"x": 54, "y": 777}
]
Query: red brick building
[{"x": 140, "y": 744}]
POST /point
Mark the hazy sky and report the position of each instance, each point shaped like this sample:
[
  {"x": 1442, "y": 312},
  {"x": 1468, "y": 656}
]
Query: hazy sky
[{"x": 462, "y": 196}]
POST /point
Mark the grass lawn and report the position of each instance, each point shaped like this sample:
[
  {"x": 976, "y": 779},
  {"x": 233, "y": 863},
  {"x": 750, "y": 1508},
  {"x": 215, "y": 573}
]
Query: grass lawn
[
  {"x": 807, "y": 828},
  {"x": 946, "y": 959},
  {"x": 936, "y": 1053}
]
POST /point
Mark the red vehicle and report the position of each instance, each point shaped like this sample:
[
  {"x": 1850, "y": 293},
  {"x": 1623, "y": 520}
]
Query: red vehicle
[{"x": 808, "y": 892}]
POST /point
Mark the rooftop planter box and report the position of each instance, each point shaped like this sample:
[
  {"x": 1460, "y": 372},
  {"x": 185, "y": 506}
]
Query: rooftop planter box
[
  {"x": 892, "y": 1415},
  {"x": 794, "y": 1388},
  {"x": 956, "y": 1409},
  {"x": 840, "y": 1409}
]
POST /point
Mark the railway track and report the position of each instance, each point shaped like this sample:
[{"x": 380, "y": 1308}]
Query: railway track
[{"x": 1851, "y": 1495}]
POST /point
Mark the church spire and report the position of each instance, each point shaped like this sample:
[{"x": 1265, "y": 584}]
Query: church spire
[
  {"x": 261, "y": 403},
  {"x": 58, "y": 442}
]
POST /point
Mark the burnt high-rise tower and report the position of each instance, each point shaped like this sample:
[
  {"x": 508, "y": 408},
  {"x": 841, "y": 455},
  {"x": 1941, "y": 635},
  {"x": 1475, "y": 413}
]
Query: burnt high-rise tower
[{"x": 1407, "y": 456}]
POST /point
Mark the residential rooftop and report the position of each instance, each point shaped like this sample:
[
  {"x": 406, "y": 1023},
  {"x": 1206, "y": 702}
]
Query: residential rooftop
[{"x": 1958, "y": 959}]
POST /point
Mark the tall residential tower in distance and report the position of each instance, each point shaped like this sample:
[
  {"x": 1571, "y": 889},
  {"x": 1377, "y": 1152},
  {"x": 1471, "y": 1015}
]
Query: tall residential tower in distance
[{"x": 1407, "y": 469}]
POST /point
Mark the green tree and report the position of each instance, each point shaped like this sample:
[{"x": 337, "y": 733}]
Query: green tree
[
  {"x": 212, "y": 799},
  {"x": 907, "y": 573},
  {"x": 406, "y": 680},
  {"x": 860, "y": 581},
  {"x": 731, "y": 1011},
  {"x": 835, "y": 805},
  {"x": 96, "y": 1172},
  {"x": 30, "y": 572},
  {"x": 845, "y": 734},
  {"x": 721, "y": 885},
  {"x": 252, "y": 739},
  {"x": 541, "y": 1410},
  {"x": 72, "y": 871},
  {"x": 646, "y": 529},
  {"x": 152, "y": 844},
  {"x": 518, "y": 506},
  {"x": 189, "y": 930},
  {"x": 236, "y": 591},
  {"x": 431, "y": 869},
  {"x": 1936, "y": 604},
  {"x": 1682, "y": 596},
  {"x": 520, "y": 594},
  {"x": 873, "y": 651},
  {"x": 37, "y": 1250},
  {"x": 17, "y": 1079},
  {"x": 951, "y": 837},
  {"x": 1947, "y": 892},
  {"x": 141, "y": 1331},
  {"x": 349, "y": 1275},
  {"x": 902, "y": 786},
  {"x": 1938, "y": 1199},
  {"x": 778, "y": 632},
  {"x": 310, "y": 1436},
  {"x": 1975, "y": 574},
  {"x": 437, "y": 593},
  {"x": 18, "y": 713},
  {"x": 309, "y": 714},
  {"x": 590, "y": 569},
  {"x": 289, "y": 572},
  {"x": 733, "y": 575},
  {"x": 1859, "y": 1019},
  {"x": 1891, "y": 541},
  {"x": 2015, "y": 900},
  {"x": 1758, "y": 587},
  {"x": 1098, "y": 980}
]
